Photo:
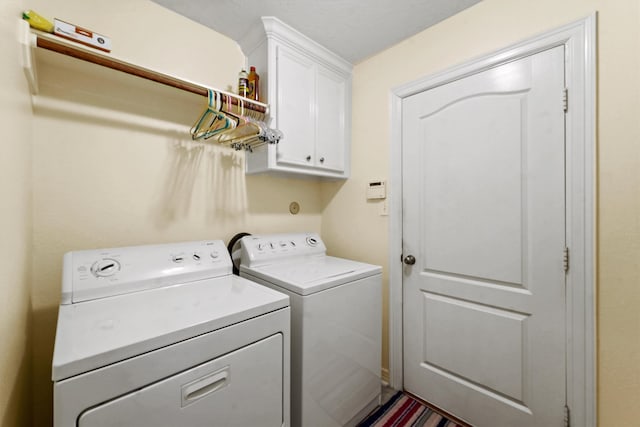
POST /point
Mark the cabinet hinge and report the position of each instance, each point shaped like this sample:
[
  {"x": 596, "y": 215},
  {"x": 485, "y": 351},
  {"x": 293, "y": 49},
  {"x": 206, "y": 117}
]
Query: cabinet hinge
[
  {"x": 567, "y": 419},
  {"x": 565, "y": 259},
  {"x": 565, "y": 99}
]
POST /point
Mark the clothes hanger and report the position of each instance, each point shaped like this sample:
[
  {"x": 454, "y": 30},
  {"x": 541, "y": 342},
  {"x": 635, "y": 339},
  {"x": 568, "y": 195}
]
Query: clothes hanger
[
  {"x": 245, "y": 128},
  {"x": 239, "y": 127},
  {"x": 212, "y": 120}
]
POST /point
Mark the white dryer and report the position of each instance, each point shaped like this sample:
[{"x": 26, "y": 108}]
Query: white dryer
[
  {"x": 336, "y": 324},
  {"x": 165, "y": 335}
]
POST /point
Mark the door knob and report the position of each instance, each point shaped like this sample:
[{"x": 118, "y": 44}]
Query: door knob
[{"x": 409, "y": 260}]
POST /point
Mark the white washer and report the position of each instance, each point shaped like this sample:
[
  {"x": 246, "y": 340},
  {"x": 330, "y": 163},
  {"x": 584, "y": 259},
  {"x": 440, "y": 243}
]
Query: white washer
[
  {"x": 336, "y": 324},
  {"x": 165, "y": 335}
]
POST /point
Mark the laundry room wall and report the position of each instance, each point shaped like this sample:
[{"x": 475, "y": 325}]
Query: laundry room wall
[
  {"x": 352, "y": 227},
  {"x": 114, "y": 164},
  {"x": 15, "y": 226}
]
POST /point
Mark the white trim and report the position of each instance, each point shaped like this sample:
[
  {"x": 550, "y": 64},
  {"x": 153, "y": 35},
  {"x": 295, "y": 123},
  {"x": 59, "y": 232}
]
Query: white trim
[
  {"x": 28, "y": 43},
  {"x": 579, "y": 39},
  {"x": 395, "y": 247}
]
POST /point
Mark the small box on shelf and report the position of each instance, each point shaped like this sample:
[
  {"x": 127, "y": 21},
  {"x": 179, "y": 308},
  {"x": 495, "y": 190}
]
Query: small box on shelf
[{"x": 81, "y": 35}]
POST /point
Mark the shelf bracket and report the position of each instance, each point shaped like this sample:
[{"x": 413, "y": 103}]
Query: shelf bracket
[{"x": 28, "y": 42}]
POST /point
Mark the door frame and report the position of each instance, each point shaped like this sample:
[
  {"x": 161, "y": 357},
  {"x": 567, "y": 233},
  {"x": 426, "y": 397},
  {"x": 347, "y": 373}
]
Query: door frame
[{"x": 579, "y": 39}]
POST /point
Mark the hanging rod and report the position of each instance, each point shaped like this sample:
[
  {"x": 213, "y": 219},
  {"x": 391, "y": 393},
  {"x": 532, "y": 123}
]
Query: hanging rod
[{"x": 55, "y": 44}]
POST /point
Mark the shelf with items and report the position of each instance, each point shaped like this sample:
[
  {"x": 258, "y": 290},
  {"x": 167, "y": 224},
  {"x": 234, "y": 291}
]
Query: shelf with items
[
  {"x": 31, "y": 39},
  {"x": 234, "y": 105}
]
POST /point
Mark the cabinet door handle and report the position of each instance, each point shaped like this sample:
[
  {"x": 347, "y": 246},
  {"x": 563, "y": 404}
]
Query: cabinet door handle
[
  {"x": 321, "y": 159},
  {"x": 308, "y": 158}
]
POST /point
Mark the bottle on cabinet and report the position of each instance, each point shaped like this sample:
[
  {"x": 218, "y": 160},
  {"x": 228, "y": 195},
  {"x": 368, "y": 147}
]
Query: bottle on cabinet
[
  {"x": 243, "y": 84},
  {"x": 254, "y": 85}
]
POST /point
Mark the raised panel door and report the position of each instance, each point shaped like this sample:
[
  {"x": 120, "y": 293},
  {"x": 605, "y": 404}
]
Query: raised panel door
[
  {"x": 295, "y": 110},
  {"x": 331, "y": 120},
  {"x": 484, "y": 216}
]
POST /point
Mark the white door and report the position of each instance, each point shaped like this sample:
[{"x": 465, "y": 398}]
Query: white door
[{"x": 484, "y": 218}]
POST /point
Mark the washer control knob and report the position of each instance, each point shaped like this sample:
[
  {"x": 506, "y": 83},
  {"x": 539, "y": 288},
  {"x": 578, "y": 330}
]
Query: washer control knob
[
  {"x": 271, "y": 245},
  {"x": 196, "y": 256},
  {"x": 260, "y": 246},
  {"x": 105, "y": 267},
  {"x": 215, "y": 255},
  {"x": 283, "y": 244},
  {"x": 177, "y": 259},
  {"x": 312, "y": 241}
]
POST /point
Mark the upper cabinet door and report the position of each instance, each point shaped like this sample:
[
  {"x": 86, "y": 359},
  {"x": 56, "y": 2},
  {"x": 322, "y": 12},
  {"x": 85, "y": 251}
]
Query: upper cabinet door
[
  {"x": 295, "y": 115},
  {"x": 331, "y": 138}
]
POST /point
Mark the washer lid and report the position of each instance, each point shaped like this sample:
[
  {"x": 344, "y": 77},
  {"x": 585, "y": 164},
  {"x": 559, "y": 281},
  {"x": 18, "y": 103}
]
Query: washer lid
[
  {"x": 305, "y": 276},
  {"x": 100, "y": 332}
]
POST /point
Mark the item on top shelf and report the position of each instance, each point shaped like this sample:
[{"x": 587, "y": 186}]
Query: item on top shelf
[
  {"x": 254, "y": 84},
  {"x": 81, "y": 35},
  {"x": 37, "y": 21},
  {"x": 243, "y": 83}
]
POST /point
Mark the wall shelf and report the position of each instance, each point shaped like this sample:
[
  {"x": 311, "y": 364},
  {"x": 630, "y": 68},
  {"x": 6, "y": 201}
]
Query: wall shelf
[{"x": 31, "y": 39}]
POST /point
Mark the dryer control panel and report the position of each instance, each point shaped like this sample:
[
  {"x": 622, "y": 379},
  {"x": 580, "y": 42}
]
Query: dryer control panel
[
  {"x": 268, "y": 248},
  {"x": 102, "y": 273}
]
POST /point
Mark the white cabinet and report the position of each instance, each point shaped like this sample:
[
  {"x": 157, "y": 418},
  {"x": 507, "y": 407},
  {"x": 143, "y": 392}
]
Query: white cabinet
[{"x": 309, "y": 91}]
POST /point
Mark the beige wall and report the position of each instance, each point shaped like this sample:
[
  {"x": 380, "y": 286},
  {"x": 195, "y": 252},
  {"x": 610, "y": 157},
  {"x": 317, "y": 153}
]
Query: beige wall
[
  {"x": 15, "y": 226},
  {"x": 102, "y": 177},
  {"x": 113, "y": 163},
  {"x": 353, "y": 227}
]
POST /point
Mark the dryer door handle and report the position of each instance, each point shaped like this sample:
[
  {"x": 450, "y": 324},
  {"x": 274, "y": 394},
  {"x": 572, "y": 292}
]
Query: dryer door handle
[{"x": 203, "y": 386}]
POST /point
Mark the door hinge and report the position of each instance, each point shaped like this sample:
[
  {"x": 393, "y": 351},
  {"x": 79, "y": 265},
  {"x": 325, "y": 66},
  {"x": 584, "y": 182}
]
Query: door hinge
[
  {"x": 565, "y": 99},
  {"x": 567, "y": 419},
  {"x": 565, "y": 259}
]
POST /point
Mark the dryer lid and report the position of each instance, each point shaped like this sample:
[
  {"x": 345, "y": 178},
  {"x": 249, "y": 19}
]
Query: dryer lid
[
  {"x": 308, "y": 275},
  {"x": 96, "y": 333}
]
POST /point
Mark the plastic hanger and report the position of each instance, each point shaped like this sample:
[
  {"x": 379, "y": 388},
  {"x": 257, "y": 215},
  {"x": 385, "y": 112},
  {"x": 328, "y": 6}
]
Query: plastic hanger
[
  {"x": 212, "y": 120},
  {"x": 233, "y": 125},
  {"x": 246, "y": 127}
]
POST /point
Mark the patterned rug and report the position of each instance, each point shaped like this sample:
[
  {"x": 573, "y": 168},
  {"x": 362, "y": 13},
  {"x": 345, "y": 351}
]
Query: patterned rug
[{"x": 404, "y": 411}]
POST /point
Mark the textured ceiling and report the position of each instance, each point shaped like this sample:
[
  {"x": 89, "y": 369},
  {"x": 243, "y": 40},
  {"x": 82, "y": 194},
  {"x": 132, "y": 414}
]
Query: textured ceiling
[{"x": 354, "y": 29}]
